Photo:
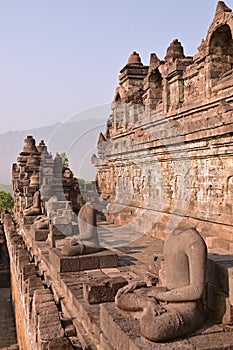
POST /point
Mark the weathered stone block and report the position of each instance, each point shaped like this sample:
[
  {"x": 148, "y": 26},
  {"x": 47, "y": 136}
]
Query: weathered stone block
[
  {"x": 28, "y": 270},
  {"x": 48, "y": 317},
  {"x": 22, "y": 258},
  {"x": 40, "y": 234},
  {"x": 102, "y": 289},
  {"x": 62, "y": 263},
  {"x": 34, "y": 283},
  {"x": 219, "y": 269},
  {"x": 28, "y": 220},
  {"x": 44, "y": 305},
  {"x": 63, "y": 219},
  {"x": 89, "y": 261},
  {"x": 59, "y": 205},
  {"x": 210, "y": 271},
  {"x": 61, "y": 228},
  {"x": 210, "y": 295},
  {"x": 60, "y": 343},
  {"x": 40, "y": 299},
  {"x": 108, "y": 259},
  {"x": 55, "y": 234},
  {"x": 49, "y": 332}
]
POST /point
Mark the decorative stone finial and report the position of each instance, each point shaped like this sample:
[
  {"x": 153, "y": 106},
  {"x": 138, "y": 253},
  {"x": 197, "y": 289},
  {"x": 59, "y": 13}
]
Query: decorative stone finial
[
  {"x": 101, "y": 138},
  {"x": 134, "y": 59},
  {"x": 154, "y": 61},
  {"x": 29, "y": 144},
  {"x": 174, "y": 51},
  {"x": 222, "y": 7},
  {"x": 42, "y": 148}
]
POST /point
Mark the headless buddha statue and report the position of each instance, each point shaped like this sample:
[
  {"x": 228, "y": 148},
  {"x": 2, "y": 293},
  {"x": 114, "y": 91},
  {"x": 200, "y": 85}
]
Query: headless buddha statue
[
  {"x": 35, "y": 208},
  {"x": 87, "y": 241},
  {"x": 42, "y": 221},
  {"x": 174, "y": 309}
]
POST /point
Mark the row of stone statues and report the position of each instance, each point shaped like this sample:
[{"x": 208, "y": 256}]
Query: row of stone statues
[
  {"x": 84, "y": 241},
  {"x": 170, "y": 310},
  {"x": 47, "y": 194},
  {"x": 170, "y": 302},
  {"x": 174, "y": 307}
]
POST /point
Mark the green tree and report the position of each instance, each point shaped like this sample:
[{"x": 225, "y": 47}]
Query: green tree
[
  {"x": 65, "y": 159},
  {"x": 83, "y": 181},
  {"x": 6, "y": 201}
]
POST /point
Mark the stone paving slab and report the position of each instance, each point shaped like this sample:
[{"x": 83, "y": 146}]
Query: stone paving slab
[{"x": 111, "y": 235}]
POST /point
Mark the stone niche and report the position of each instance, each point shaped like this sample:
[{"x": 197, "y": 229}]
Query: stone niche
[{"x": 167, "y": 154}]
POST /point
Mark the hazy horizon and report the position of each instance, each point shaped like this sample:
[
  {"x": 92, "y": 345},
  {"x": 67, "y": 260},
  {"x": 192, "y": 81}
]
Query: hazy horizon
[{"x": 76, "y": 135}]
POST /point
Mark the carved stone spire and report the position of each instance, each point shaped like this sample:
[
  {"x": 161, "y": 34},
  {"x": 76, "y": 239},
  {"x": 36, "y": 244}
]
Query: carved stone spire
[
  {"x": 134, "y": 59},
  {"x": 222, "y": 7},
  {"x": 101, "y": 138},
  {"x": 174, "y": 51}
]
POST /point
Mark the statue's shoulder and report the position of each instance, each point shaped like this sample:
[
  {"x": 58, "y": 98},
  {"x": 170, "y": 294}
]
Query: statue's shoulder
[{"x": 190, "y": 236}]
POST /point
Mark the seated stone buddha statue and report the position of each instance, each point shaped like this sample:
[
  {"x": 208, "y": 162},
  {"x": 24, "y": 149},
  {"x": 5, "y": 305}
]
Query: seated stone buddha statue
[{"x": 175, "y": 308}]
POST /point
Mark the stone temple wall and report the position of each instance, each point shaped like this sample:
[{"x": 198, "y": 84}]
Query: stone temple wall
[{"x": 166, "y": 157}]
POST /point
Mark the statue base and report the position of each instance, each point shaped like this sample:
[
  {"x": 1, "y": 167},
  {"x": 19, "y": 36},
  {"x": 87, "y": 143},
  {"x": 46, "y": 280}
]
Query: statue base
[
  {"x": 29, "y": 220},
  {"x": 102, "y": 259},
  {"x": 39, "y": 235}
]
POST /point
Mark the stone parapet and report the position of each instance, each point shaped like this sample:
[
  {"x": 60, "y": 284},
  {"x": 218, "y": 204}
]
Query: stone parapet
[
  {"x": 37, "y": 316},
  {"x": 66, "y": 310}
]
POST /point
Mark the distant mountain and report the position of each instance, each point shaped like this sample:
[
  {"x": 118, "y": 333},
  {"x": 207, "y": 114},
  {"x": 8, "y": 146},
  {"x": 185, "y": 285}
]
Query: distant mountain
[
  {"x": 11, "y": 143},
  {"x": 78, "y": 138}
]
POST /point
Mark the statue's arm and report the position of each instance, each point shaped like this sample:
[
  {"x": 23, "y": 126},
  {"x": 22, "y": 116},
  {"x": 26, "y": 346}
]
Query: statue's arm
[
  {"x": 129, "y": 288},
  {"x": 88, "y": 232},
  {"x": 197, "y": 267}
]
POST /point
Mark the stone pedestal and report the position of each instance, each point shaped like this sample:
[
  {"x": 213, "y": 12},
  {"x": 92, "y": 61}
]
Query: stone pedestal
[
  {"x": 28, "y": 220},
  {"x": 54, "y": 235},
  {"x": 102, "y": 289},
  {"x": 39, "y": 234},
  {"x": 102, "y": 259},
  {"x": 123, "y": 331}
]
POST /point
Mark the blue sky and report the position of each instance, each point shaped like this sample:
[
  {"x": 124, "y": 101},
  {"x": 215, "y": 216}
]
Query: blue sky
[{"x": 58, "y": 57}]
